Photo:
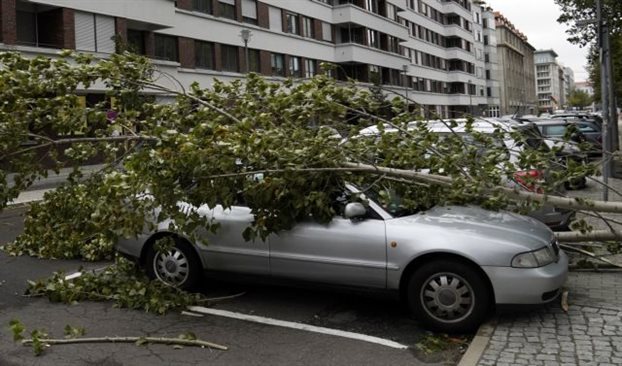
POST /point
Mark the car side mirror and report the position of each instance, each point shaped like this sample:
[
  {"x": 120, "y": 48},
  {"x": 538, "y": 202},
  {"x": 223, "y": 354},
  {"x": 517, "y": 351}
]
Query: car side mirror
[{"x": 355, "y": 210}]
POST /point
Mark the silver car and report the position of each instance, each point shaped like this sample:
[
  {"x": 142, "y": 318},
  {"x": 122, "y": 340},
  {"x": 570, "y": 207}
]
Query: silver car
[{"x": 451, "y": 264}]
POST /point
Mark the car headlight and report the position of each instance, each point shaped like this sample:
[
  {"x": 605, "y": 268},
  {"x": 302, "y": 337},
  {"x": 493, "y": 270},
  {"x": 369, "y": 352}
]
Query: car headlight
[{"x": 537, "y": 258}]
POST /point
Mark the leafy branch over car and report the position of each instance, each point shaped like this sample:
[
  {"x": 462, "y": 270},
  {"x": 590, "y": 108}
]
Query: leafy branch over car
[{"x": 252, "y": 151}]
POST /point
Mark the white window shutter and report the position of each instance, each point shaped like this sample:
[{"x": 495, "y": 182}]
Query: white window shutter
[
  {"x": 85, "y": 31},
  {"x": 327, "y": 32},
  {"x": 230, "y": 2},
  {"x": 276, "y": 22},
  {"x": 105, "y": 33},
  {"x": 249, "y": 9}
]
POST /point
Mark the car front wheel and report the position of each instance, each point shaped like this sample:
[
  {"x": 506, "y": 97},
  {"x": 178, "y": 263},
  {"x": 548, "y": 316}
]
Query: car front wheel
[
  {"x": 179, "y": 266},
  {"x": 448, "y": 296}
]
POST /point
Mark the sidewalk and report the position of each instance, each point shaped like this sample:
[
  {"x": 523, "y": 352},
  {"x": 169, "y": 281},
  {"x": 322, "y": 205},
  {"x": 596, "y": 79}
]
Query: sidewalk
[
  {"x": 36, "y": 191},
  {"x": 589, "y": 334}
]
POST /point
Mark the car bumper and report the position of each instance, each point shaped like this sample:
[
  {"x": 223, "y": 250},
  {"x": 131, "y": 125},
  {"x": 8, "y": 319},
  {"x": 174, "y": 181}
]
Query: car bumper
[{"x": 528, "y": 285}]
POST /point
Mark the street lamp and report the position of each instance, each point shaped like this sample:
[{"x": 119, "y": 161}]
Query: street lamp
[
  {"x": 470, "y": 97},
  {"x": 406, "y": 86},
  {"x": 246, "y": 35}
]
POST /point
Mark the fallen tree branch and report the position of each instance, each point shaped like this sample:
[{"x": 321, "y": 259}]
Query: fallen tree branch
[
  {"x": 596, "y": 235},
  {"x": 591, "y": 255},
  {"x": 139, "y": 340},
  {"x": 560, "y": 202}
]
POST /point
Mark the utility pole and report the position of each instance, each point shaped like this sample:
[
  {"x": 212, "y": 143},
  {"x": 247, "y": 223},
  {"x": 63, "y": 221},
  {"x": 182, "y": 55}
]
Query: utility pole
[{"x": 605, "y": 80}]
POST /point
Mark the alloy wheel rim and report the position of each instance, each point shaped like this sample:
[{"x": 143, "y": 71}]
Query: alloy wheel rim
[
  {"x": 171, "y": 267},
  {"x": 447, "y": 297}
]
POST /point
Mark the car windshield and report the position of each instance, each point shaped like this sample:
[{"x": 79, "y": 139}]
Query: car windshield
[{"x": 390, "y": 200}]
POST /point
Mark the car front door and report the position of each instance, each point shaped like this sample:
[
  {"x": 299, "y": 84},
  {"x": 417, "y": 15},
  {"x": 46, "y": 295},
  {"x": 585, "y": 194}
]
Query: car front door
[{"x": 344, "y": 251}]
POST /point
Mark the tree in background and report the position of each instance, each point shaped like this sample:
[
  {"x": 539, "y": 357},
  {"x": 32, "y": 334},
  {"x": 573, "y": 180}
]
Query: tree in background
[
  {"x": 575, "y": 11},
  {"x": 579, "y": 99}
]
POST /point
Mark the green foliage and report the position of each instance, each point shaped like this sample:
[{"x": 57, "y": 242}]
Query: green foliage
[
  {"x": 122, "y": 283},
  {"x": 254, "y": 142},
  {"x": 573, "y": 11},
  {"x": 17, "y": 328},
  {"x": 579, "y": 98},
  {"x": 74, "y": 332}
]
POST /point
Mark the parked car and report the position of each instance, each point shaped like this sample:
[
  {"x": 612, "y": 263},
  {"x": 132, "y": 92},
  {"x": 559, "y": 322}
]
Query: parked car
[
  {"x": 583, "y": 130},
  {"x": 451, "y": 264},
  {"x": 556, "y": 219}
]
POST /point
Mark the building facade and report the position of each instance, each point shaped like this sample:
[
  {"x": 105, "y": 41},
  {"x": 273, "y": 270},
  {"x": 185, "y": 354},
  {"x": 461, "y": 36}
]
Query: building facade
[
  {"x": 569, "y": 85},
  {"x": 516, "y": 69},
  {"x": 431, "y": 50},
  {"x": 550, "y": 81}
]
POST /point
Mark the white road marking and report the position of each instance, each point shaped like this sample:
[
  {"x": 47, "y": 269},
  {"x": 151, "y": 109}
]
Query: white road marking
[
  {"x": 299, "y": 326},
  {"x": 72, "y": 276}
]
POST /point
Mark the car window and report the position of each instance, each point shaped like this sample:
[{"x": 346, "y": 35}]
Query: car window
[
  {"x": 554, "y": 130},
  {"x": 586, "y": 128}
]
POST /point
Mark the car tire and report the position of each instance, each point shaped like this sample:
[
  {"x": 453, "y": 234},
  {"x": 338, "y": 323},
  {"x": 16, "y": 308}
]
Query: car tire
[
  {"x": 449, "y": 296},
  {"x": 179, "y": 267}
]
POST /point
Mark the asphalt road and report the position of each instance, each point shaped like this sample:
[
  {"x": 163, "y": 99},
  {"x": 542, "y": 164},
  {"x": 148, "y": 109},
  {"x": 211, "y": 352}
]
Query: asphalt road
[{"x": 249, "y": 343}]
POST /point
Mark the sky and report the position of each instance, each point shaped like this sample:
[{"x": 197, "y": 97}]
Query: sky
[{"x": 537, "y": 19}]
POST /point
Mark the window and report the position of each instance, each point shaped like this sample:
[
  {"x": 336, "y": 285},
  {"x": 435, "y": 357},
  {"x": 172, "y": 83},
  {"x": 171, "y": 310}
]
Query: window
[
  {"x": 204, "y": 55},
  {"x": 93, "y": 32},
  {"x": 249, "y": 11},
  {"x": 327, "y": 32},
  {"x": 372, "y": 5},
  {"x": 486, "y": 41},
  {"x": 203, "y": 6},
  {"x": 373, "y": 39},
  {"x": 294, "y": 67},
  {"x": 277, "y": 62},
  {"x": 229, "y": 58},
  {"x": 307, "y": 27},
  {"x": 374, "y": 74},
  {"x": 310, "y": 68},
  {"x": 292, "y": 23},
  {"x": 227, "y": 8},
  {"x": 136, "y": 41},
  {"x": 254, "y": 64},
  {"x": 166, "y": 47}
]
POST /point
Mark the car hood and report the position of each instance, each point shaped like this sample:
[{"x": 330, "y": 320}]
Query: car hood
[{"x": 475, "y": 221}]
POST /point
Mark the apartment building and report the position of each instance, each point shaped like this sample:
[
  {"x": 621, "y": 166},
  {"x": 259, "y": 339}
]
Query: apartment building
[
  {"x": 516, "y": 69},
  {"x": 432, "y": 51},
  {"x": 550, "y": 81}
]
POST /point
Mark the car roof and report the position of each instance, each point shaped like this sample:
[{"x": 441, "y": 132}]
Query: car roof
[{"x": 485, "y": 125}]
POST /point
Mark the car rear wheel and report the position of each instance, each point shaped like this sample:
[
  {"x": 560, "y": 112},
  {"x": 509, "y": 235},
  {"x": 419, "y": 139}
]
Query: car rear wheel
[
  {"x": 449, "y": 296},
  {"x": 179, "y": 267}
]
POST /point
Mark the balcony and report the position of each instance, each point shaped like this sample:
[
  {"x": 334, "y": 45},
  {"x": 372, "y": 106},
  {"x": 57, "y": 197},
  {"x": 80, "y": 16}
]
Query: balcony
[
  {"x": 158, "y": 13},
  {"x": 348, "y": 13},
  {"x": 352, "y": 52}
]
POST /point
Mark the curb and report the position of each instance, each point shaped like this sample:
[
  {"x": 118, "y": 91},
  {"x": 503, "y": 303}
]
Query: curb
[
  {"x": 26, "y": 197},
  {"x": 478, "y": 344}
]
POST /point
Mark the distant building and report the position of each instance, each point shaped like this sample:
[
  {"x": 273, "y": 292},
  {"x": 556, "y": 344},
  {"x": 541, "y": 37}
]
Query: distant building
[
  {"x": 549, "y": 81},
  {"x": 569, "y": 83},
  {"x": 516, "y": 69},
  {"x": 586, "y": 87}
]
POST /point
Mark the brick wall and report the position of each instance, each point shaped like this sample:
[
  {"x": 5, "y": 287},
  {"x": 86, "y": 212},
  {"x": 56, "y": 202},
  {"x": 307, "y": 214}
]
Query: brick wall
[
  {"x": 120, "y": 29},
  {"x": 8, "y": 16},
  {"x": 184, "y": 4},
  {"x": 263, "y": 15},
  {"x": 264, "y": 62},
  {"x": 69, "y": 28},
  {"x": 186, "y": 52},
  {"x": 149, "y": 44},
  {"x": 317, "y": 29}
]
